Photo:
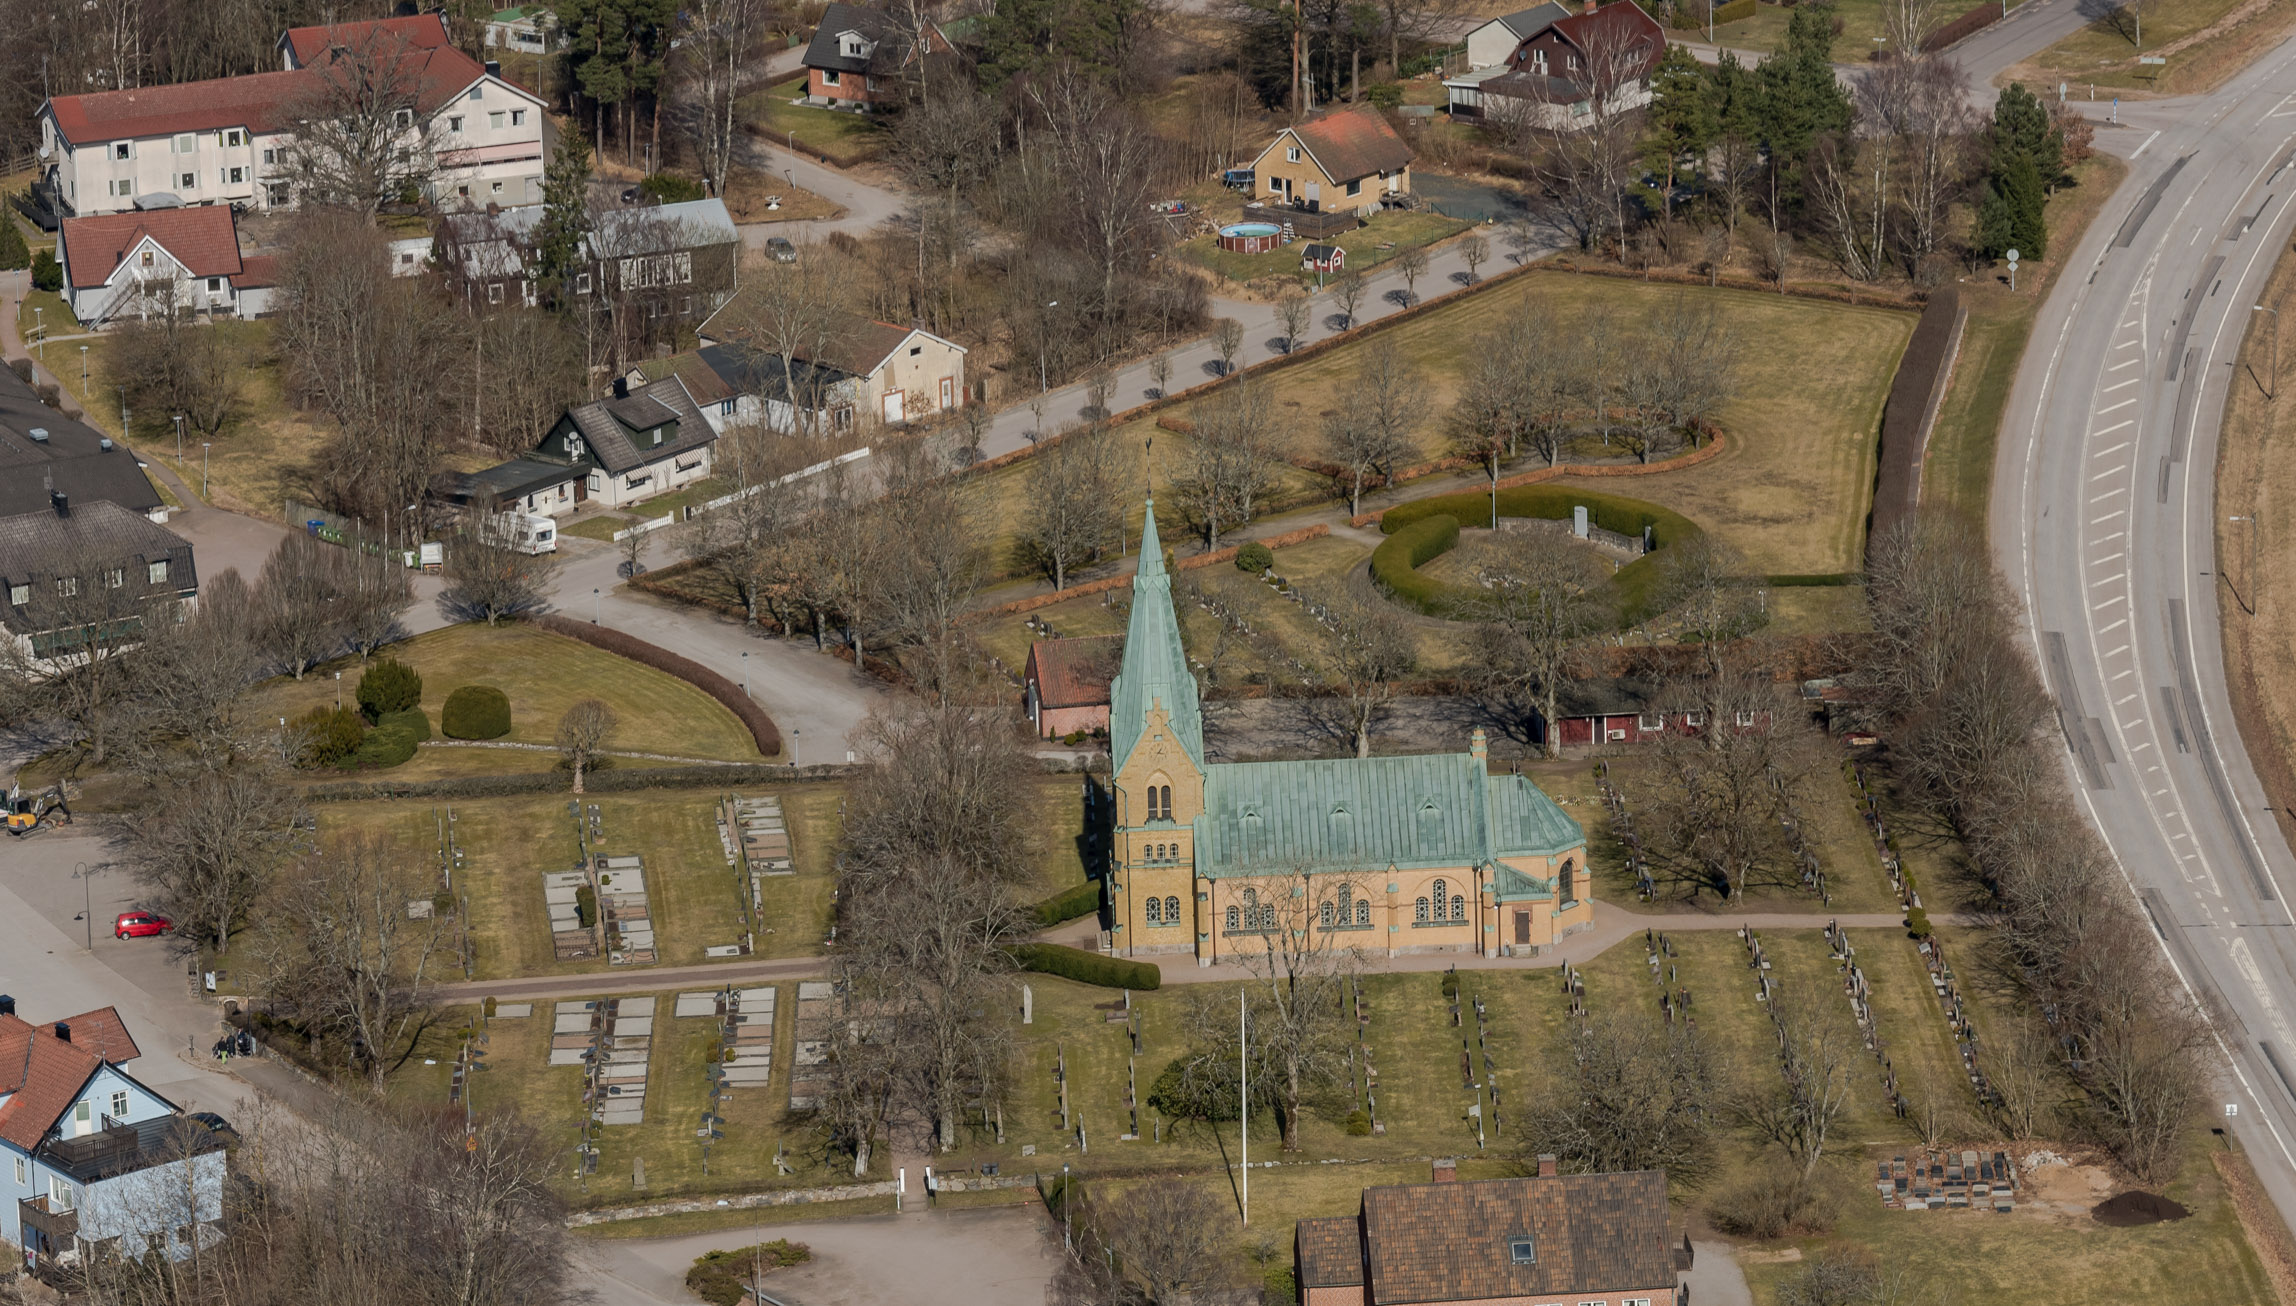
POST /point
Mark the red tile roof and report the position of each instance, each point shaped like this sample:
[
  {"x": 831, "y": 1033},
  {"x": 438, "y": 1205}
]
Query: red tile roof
[
  {"x": 257, "y": 270},
  {"x": 263, "y": 101},
  {"x": 1588, "y": 1235},
  {"x": 1353, "y": 143},
  {"x": 205, "y": 240},
  {"x": 419, "y": 31},
  {"x": 43, "y": 1074},
  {"x": 1074, "y": 672}
]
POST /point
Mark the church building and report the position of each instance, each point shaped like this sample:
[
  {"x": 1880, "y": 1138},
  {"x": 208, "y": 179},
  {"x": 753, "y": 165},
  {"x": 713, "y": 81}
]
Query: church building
[{"x": 1379, "y": 854}]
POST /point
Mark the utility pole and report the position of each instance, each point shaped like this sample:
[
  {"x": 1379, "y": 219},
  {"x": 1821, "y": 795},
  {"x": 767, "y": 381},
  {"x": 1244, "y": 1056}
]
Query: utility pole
[
  {"x": 1244, "y": 1105},
  {"x": 2248, "y": 605}
]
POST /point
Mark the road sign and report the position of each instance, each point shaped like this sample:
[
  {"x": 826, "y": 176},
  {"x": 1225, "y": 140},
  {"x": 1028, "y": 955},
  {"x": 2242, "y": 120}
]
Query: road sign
[
  {"x": 2152, "y": 58},
  {"x": 2012, "y": 256},
  {"x": 2231, "y": 1109}
]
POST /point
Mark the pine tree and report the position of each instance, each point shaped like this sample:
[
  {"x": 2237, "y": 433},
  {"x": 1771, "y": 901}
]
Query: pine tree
[
  {"x": 1685, "y": 115},
  {"x": 561, "y": 235},
  {"x": 2024, "y": 157},
  {"x": 1800, "y": 99},
  {"x": 14, "y": 253}
]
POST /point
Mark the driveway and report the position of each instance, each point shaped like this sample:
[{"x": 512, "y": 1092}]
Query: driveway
[{"x": 989, "y": 1257}]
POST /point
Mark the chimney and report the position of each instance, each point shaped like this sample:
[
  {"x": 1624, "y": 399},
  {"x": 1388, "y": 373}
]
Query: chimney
[
  {"x": 621, "y": 387},
  {"x": 61, "y": 501},
  {"x": 1479, "y": 744},
  {"x": 63, "y": 1032},
  {"x": 39, "y": 434},
  {"x": 105, "y": 444},
  {"x": 1446, "y": 1170},
  {"x": 1547, "y": 1159},
  {"x": 494, "y": 68},
  {"x": 1591, "y": 6},
  {"x": 7, "y": 1005}
]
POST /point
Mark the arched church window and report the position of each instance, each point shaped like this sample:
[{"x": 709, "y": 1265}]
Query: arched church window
[
  {"x": 1442, "y": 890},
  {"x": 1419, "y": 911},
  {"x": 1458, "y": 907},
  {"x": 1155, "y": 911},
  {"x": 1172, "y": 910},
  {"x": 1231, "y": 920},
  {"x": 1569, "y": 880},
  {"x": 1363, "y": 911},
  {"x": 1324, "y": 914}
]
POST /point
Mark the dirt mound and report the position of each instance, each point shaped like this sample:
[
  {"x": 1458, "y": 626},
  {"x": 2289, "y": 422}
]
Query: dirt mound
[{"x": 2131, "y": 1209}]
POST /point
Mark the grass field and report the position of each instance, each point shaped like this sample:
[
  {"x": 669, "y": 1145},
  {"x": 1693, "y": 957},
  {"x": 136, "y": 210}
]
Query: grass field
[
  {"x": 848, "y": 138},
  {"x": 1958, "y": 472},
  {"x": 1381, "y": 238},
  {"x": 2203, "y": 41},
  {"x": 543, "y": 674},
  {"x": 1862, "y": 21},
  {"x": 55, "y": 316}
]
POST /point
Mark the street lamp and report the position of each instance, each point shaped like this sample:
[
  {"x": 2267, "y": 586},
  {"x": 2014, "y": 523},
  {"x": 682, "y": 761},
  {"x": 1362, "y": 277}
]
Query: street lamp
[
  {"x": 338, "y": 691},
  {"x": 2272, "y": 391},
  {"x": 793, "y": 737},
  {"x": 1044, "y": 338},
  {"x": 86, "y": 878},
  {"x": 2247, "y": 605},
  {"x": 594, "y": 601},
  {"x": 745, "y": 673},
  {"x": 179, "y": 439},
  {"x": 40, "y": 324},
  {"x": 204, "y": 446},
  {"x": 83, "y": 367}
]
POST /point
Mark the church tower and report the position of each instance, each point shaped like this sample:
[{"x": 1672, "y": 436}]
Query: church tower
[{"x": 1156, "y": 750}]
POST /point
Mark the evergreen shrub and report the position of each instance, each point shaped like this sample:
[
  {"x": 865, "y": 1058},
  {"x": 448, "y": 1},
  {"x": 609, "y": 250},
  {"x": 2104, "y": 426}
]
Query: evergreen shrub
[{"x": 475, "y": 712}]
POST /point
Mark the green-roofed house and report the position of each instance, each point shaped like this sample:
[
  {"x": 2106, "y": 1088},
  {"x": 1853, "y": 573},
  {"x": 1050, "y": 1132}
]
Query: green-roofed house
[
  {"x": 530, "y": 29},
  {"x": 1390, "y": 854}
]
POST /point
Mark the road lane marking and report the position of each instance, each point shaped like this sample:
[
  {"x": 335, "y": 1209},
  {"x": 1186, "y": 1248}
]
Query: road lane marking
[
  {"x": 2109, "y": 494},
  {"x": 2119, "y": 425},
  {"x": 2134, "y": 380},
  {"x": 2114, "y": 408},
  {"x": 2115, "y": 449},
  {"x": 2123, "y": 702},
  {"x": 2109, "y": 471},
  {"x": 2118, "y": 366},
  {"x": 2115, "y": 626}
]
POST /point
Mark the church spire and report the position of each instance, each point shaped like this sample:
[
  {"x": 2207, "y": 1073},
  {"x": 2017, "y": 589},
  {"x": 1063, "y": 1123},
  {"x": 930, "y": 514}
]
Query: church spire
[{"x": 1155, "y": 669}]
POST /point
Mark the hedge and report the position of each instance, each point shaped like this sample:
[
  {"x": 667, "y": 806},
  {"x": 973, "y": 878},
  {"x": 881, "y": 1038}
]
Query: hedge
[
  {"x": 1813, "y": 579},
  {"x": 1060, "y": 908},
  {"x": 1913, "y": 391},
  {"x": 389, "y": 686},
  {"x": 475, "y": 712},
  {"x": 1688, "y": 20},
  {"x": 1976, "y": 20},
  {"x": 388, "y": 746},
  {"x": 1635, "y": 584},
  {"x": 1087, "y": 967},
  {"x": 1396, "y": 562},
  {"x": 762, "y": 731},
  {"x": 413, "y": 720}
]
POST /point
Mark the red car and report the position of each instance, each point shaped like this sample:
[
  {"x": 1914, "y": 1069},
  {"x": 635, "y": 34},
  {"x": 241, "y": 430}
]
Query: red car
[{"x": 140, "y": 925}]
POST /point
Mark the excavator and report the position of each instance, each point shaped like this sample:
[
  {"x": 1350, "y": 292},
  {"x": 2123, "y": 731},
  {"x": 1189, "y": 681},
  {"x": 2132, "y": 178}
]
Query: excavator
[{"x": 32, "y": 813}]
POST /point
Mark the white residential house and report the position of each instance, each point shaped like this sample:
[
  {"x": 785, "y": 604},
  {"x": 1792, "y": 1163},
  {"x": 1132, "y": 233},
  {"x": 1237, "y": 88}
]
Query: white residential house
[
  {"x": 528, "y": 29},
  {"x": 1489, "y": 45},
  {"x": 130, "y": 265},
  {"x": 88, "y": 1154},
  {"x": 226, "y": 141},
  {"x": 893, "y": 374},
  {"x": 639, "y": 443}
]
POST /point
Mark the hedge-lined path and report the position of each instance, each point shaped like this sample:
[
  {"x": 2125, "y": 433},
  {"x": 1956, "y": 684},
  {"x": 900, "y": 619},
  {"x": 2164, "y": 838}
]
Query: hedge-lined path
[
  {"x": 552, "y": 748},
  {"x": 1612, "y": 925}
]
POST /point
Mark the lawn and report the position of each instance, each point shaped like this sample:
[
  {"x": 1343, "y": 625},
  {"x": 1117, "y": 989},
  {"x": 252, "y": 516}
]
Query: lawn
[
  {"x": 1381, "y": 238},
  {"x": 2203, "y": 41},
  {"x": 847, "y": 138},
  {"x": 46, "y": 308},
  {"x": 1862, "y": 21},
  {"x": 1958, "y": 471},
  {"x": 543, "y": 674},
  {"x": 508, "y": 843}
]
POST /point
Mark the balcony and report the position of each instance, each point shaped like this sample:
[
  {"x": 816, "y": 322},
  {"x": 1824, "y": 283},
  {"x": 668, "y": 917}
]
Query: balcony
[{"x": 56, "y": 1228}]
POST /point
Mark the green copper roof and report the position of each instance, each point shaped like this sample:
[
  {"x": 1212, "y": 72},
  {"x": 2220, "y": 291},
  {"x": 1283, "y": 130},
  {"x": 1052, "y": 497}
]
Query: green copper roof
[
  {"x": 1155, "y": 668},
  {"x": 1371, "y": 813}
]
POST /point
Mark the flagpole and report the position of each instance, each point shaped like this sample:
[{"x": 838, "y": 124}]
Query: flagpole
[{"x": 1244, "y": 1104}]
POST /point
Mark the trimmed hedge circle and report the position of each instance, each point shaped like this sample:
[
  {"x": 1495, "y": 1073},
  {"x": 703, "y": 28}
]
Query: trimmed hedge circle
[
  {"x": 475, "y": 712},
  {"x": 1414, "y": 540}
]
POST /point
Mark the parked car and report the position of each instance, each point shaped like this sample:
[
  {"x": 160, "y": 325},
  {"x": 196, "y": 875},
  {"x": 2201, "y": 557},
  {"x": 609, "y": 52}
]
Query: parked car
[
  {"x": 780, "y": 250},
  {"x": 140, "y": 925},
  {"x": 215, "y": 1124}
]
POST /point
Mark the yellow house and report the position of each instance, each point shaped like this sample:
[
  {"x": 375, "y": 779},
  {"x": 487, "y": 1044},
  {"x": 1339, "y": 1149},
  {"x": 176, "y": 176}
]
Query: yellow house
[
  {"x": 1345, "y": 161},
  {"x": 1379, "y": 854}
]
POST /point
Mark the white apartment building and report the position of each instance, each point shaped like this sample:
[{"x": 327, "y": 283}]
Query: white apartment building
[{"x": 224, "y": 141}]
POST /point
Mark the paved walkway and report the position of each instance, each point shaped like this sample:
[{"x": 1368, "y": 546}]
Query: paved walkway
[{"x": 1612, "y": 926}]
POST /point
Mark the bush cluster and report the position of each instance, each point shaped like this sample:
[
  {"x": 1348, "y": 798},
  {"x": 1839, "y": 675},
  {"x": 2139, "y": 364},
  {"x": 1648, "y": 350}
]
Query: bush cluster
[
  {"x": 1060, "y": 908},
  {"x": 388, "y": 686},
  {"x": 475, "y": 712},
  {"x": 762, "y": 731},
  {"x": 1255, "y": 558},
  {"x": 1087, "y": 967},
  {"x": 394, "y": 739},
  {"x": 585, "y": 906},
  {"x": 721, "y": 1278},
  {"x": 330, "y": 734}
]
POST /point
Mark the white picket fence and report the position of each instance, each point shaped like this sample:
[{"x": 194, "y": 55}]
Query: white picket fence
[{"x": 671, "y": 519}]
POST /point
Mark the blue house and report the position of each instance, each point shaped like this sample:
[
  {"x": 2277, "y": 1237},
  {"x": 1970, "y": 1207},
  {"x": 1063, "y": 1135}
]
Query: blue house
[{"x": 90, "y": 1159}]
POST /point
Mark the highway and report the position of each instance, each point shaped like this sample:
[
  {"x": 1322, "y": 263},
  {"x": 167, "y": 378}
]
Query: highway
[{"x": 2101, "y": 519}]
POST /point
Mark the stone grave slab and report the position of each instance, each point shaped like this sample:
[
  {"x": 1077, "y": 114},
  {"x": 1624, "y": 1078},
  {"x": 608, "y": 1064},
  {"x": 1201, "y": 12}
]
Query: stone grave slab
[
  {"x": 697, "y": 1004},
  {"x": 513, "y": 1010}
]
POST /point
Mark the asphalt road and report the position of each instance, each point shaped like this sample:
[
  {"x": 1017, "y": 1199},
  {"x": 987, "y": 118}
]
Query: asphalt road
[{"x": 2102, "y": 513}]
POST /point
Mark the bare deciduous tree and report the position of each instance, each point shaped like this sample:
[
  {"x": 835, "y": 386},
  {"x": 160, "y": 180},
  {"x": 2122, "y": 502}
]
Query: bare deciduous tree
[
  {"x": 1818, "y": 1050},
  {"x": 1075, "y": 511},
  {"x": 582, "y": 732},
  {"x": 1227, "y": 338},
  {"x": 1228, "y": 459},
  {"x": 1347, "y": 291},
  {"x": 1161, "y": 1242},
  {"x": 1635, "y": 1095},
  {"x": 489, "y": 578},
  {"x": 1372, "y": 649},
  {"x": 1542, "y": 601},
  {"x": 1474, "y": 251},
  {"x": 357, "y": 134},
  {"x": 719, "y": 40},
  {"x": 206, "y": 840},
  {"x": 1292, "y": 312},
  {"x": 1726, "y": 794},
  {"x": 298, "y": 624},
  {"x": 170, "y": 362}
]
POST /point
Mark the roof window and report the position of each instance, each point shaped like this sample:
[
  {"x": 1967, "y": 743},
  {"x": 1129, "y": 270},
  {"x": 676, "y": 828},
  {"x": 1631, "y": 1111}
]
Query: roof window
[{"x": 1522, "y": 1251}]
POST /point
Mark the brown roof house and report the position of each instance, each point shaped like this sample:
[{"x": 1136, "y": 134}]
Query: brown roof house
[
  {"x": 858, "y": 56},
  {"x": 1065, "y": 687},
  {"x": 1345, "y": 161},
  {"x": 853, "y": 367},
  {"x": 1585, "y": 1240},
  {"x": 122, "y": 265},
  {"x": 1568, "y": 72}
]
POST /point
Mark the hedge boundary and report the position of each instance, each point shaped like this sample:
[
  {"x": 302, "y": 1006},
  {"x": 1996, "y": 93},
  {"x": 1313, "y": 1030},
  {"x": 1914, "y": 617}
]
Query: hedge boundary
[
  {"x": 1915, "y": 395},
  {"x": 762, "y": 731},
  {"x": 1962, "y": 28},
  {"x": 1716, "y": 443},
  {"x": 1069, "y": 904},
  {"x": 1087, "y": 967},
  {"x": 1793, "y": 290},
  {"x": 1732, "y": 12},
  {"x": 1407, "y": 547},
  {"x": 1089, "y": 588}
]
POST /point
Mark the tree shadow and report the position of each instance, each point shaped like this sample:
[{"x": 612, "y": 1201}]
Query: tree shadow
[
  {"x": 1399, "y": 298},
  {"x": 1465, "y": 278},
  {"x": 1214, "y": 367},
  {"x": 2118, "y": 16},
  {"x": 1336, "y": 322}
]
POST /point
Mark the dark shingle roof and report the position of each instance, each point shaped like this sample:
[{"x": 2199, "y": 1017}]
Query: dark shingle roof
[
  {"x": 611, "y": 426},
  {"x": 1532, "y": 21},
  {"x": 1353, "y": 143},
  {"x": 883, "y": 30},
  {"x": 1331, "y": 1252},
  {"x": 43, "y": 545},
  {"x": 760, "y": 374},
  {"x": 72, "y": 459},
  {"x": 1597, "y": 1233}
]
